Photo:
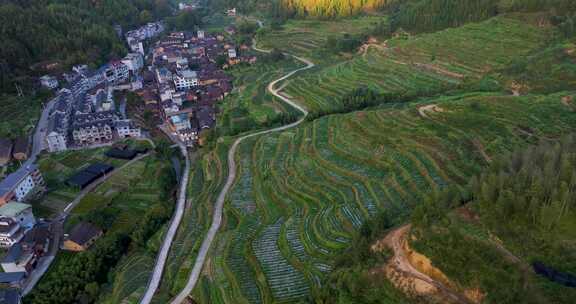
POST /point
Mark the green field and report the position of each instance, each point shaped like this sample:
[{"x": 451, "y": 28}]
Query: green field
[
  {"x": 19, "y": 114},
  {"x": 430, "y": 62},
  {"x": 250, "y": 104},
  {"x": 300, "y": 195},
  {"x": 56, "y": 168},
  {"x": 128, "y": 195},
  {"x": 308, "y": 37},
  {"x": 206, "y": 179}
]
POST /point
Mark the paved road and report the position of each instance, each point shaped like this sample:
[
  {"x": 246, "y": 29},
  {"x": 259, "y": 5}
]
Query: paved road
[
  {"x": 217, "y": 217},
  {"x": 169, "y": 238},
  {"x": 57, "y": 228}
]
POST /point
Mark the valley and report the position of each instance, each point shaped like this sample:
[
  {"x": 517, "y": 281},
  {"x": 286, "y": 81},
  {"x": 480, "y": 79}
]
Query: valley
[{"x": 402, "y": 151}]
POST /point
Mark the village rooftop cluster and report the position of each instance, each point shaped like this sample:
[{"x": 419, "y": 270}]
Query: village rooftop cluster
[{"x": 184, "y": 82}]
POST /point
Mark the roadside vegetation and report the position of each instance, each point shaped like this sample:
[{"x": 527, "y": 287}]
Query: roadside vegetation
[{"x": 130, "y": 207}]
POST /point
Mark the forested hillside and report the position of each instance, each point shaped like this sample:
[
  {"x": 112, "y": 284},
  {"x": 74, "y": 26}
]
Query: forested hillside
[
  {"x": 433, "y": 15},
  {"x": 508, "y": 235},
  {"x": 330, "y": 9},
  {"x": 521, "y": 215},
  {"x": 71, "y": 31}
]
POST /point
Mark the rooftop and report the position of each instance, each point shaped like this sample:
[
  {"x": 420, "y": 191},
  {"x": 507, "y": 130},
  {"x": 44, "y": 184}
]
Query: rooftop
[
  {"x": 12, "y": 180},
  {"x": 12, "y": 209}
]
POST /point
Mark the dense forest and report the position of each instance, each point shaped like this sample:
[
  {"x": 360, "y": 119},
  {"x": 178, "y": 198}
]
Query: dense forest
[
  {"x": 68, "y": 31},
  {"x": 433, "y": 15}
]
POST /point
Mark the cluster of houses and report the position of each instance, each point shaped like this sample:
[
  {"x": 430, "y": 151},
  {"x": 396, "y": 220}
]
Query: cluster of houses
[
  {"x": 85, "y": 112},
  {"x": 26, "y": 241},
  {"x": 137, "y": 37},
  {"x": 185, "y": 82}
]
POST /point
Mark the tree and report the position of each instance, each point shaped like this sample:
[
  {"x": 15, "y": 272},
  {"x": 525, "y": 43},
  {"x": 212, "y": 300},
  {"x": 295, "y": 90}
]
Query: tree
[{"x": 145, "y": 17}]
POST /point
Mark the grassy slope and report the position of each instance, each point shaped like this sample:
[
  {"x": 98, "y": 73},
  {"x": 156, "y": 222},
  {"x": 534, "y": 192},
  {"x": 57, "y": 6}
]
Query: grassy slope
[
  {"x": 301, "y": 194},
  {"x": 306, "y": 37},
  {"x": 129, "y": 194},
  {"x": 425, "y": 62},
  {"x": 250, "y": 103}
]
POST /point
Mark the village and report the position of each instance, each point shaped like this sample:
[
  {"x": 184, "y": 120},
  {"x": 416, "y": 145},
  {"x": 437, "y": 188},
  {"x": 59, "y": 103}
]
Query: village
[{"x": 179, "y": 78}]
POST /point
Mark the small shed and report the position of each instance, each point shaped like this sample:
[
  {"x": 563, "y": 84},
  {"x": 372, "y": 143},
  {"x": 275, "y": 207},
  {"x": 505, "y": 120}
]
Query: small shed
[
  {"x": 21, "y": 148},
  {"x": 5, "y": 151},
  {"x": 121, "y": 154},
  {"x": 81, "y": 237},
  {"x": 88, "y": 175}
]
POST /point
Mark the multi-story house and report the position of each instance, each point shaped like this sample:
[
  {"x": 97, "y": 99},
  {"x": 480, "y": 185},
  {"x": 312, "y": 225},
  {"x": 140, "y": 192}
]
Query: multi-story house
[
  {"x": 163, "y": 75},
  {"x": 117, "y": 72},
  {"x": 180, "y": 122},
  {"x": 11, "y": 232},
  {"x": 186, "y": 79},
  {"x": 93, "y": 128},
  {"x": 92, "y": 133},
  {"x": 126, "y": 129},
  {"x": 134, "y": 61},
  {"x": 20, "y": 213},
  {"x": 49, "y": 81},
  {"x": 18, "y": 185},
  {"x": 56, "y": 136}
]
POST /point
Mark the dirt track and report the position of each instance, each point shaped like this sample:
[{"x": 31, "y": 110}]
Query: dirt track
[{"x": 401, "y": 264}]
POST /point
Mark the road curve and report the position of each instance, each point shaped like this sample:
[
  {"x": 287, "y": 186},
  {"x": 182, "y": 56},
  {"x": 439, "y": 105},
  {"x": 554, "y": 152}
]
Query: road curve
[
  {"x": 167, "y": 243},
  {"x": 217, "y": 217}
]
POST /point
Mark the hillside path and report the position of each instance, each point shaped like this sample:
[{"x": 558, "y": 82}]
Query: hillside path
[{"x": 217, "y": 216}]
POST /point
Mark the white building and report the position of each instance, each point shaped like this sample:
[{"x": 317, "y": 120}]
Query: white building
[
  {"x": 126, "y": 129},
  {"x": 182, "y": 63},
  {"x": 10, "y": 232},
  {"x": 134, "y": 61},
  {"x": 19, "y": 184},
  {"x": 49, "y": 82},
  {"x": 57, "y": 142},
  {"x": 117, "y": 72},
  {"x": 232, "y": 53},
  {"x": 56, "y": 138},
  {"x": 201, "y": 34},
  {"x": 185, "y": 79}
]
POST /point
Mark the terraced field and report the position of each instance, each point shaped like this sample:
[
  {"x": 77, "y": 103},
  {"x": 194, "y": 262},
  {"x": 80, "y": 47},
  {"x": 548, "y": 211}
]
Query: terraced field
[
  {"x": 307, "y": 37},
  {"x": 208, "y": 173},
  {"x": 127, "y": 195},
  {"x": 427, "y": 62},
  {"x": 250, "y": 103},
  {"x": 300, "y": 195}
]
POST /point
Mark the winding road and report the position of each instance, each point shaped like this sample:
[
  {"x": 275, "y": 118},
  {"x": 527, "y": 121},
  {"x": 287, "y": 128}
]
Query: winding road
[
  {"x": 169, "y": 238},
  {"x": 217, "y": 216}
]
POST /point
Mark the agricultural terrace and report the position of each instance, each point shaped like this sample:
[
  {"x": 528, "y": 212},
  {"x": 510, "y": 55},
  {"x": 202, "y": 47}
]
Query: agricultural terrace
[
  {"x": 308, "y": 37},
  {"x": 250, "y": 102},
  {"x": 56, "y": 168},
  {"x": 428, "y": 62},
  {"x": 208, "y": 175},
  {"x": 301, "y": 194},
  {"x": 121, "y": 204}
]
